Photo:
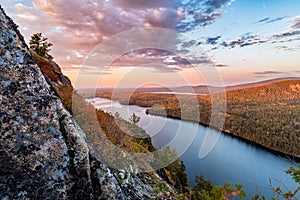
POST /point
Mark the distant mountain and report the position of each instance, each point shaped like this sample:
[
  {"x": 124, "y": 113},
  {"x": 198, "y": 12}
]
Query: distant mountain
[
  {"x": 272, "y": 90},
  {"x": 206, "y": 89},
  {"x": 255, "y": 84},
  {"x": 198, "y": 89}
]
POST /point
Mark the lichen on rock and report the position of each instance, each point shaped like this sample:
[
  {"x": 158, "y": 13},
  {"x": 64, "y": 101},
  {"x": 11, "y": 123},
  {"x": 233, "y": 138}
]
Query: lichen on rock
[{"x": 43, "y": 152}]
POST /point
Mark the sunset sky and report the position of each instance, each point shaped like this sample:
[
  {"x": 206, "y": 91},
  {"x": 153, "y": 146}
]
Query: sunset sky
[{"x": 240, "y": 41}]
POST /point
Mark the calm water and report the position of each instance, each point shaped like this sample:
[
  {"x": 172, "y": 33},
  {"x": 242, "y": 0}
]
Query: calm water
[{"x": 230, "y": 160}]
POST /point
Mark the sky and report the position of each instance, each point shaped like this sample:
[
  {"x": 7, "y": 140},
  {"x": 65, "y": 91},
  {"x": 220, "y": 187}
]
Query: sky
[{"x": 138, "y": 43}]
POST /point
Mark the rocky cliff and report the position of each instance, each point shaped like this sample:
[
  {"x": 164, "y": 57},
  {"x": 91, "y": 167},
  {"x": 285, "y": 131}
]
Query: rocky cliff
[
  {"x": 43, "y": 152},
  {"x": 59, "y": 83}
]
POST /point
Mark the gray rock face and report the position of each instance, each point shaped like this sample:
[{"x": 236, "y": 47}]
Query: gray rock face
[{"x": 43, "y": 152}]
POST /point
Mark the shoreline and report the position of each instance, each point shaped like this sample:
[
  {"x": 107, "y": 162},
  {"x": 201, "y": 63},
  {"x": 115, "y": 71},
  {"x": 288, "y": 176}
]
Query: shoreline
[
  {"x": 289, "y": 156},
  {"x": 248, "y": 141}
]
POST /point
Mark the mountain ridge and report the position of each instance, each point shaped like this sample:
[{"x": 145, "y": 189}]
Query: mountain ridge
[{"x": 196, "y": 89}]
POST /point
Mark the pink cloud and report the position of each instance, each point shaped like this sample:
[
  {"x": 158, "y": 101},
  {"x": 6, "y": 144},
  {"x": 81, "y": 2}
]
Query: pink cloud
[
  {"x": 78, "y": 26},
  {"x": 296, "y": 23}
]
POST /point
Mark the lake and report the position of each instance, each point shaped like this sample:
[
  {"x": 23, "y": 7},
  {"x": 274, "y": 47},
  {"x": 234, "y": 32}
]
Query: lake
[{"x": 230, "y": 160}]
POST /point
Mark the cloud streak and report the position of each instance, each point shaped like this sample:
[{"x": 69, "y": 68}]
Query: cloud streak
[
  {"x": 268, "y": 73},
  {"x": 269, "y": 20},
  {"x": 212, "y": 40},
  {"x": 296, "y": 23},
  {"x": 262, "y": 20}
]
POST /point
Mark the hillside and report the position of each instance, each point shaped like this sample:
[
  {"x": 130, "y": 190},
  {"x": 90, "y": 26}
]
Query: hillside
[
  {"x": 59, "y": 83},
  {"x": 277, "y": 91},
  {"x": 203, "y": 89},
  {"x": 267, "y": 115}
]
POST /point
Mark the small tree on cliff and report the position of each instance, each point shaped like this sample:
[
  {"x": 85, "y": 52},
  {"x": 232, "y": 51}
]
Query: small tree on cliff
[{"x": 40, "y": 46}]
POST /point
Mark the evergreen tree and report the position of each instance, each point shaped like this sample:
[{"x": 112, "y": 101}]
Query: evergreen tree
[{"x": 40, "y": 46}]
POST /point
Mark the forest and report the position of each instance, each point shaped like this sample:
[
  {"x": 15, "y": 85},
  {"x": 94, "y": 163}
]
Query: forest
[{"x": 267, "y": 115}]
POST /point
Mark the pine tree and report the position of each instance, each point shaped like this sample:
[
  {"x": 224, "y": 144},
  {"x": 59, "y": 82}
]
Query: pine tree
[{"x": 40, "y": 46}]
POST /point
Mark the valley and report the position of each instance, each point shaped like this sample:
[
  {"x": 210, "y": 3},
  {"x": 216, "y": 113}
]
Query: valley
[{"x": 268, "y": 115}]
